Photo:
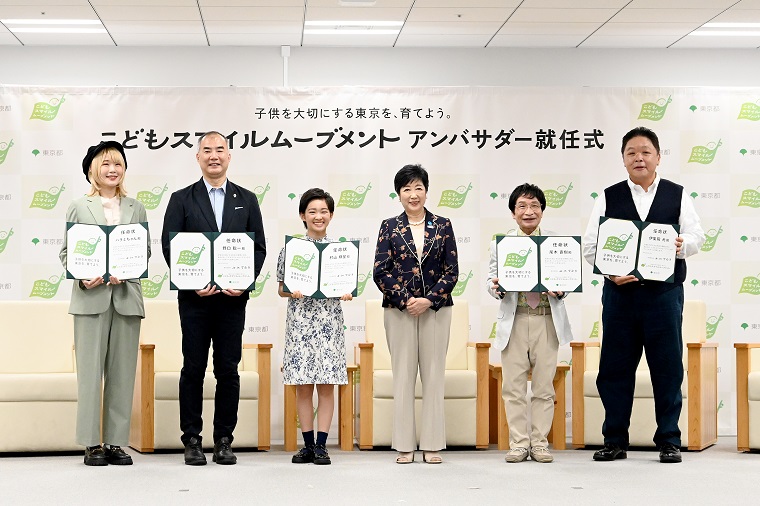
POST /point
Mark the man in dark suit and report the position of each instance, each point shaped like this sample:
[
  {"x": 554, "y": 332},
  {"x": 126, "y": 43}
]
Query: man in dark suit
[{"x": 211, "y": 315}]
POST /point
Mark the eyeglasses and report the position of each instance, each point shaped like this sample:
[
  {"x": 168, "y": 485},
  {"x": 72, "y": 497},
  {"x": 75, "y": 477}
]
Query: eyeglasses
[{"x": 535, "y": 207}]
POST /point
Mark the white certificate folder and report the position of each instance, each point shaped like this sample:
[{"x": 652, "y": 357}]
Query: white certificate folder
[
  {"x": 321, "y": 270},
  {"x": 539, "y": 263},
  {"x": 107, "y": 250}
]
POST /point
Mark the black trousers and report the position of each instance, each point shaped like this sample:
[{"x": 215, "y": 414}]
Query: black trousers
[
  {"x": 637, "y": 317},
  {"x": 219, "y": 320}
]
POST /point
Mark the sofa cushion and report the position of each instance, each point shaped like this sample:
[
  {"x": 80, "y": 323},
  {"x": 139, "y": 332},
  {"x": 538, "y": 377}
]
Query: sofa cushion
[
  {"x": 457, "y": 385},
  {"x": 754, "y": 386},
  {"x": 38, "y": 387}
]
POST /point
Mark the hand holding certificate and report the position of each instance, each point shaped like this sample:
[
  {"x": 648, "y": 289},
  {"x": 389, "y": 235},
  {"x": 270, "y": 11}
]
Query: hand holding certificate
[{"x": 321, "y": 270}]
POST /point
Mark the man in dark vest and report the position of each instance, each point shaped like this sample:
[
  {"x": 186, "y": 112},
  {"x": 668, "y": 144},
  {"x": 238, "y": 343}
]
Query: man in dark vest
[{"x": 639, "y": 314}]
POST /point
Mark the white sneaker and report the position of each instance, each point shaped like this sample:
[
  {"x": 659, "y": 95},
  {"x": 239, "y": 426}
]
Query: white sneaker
[
  {"x": 517, "y": 454},
  {"x": 541, "y": 454}
]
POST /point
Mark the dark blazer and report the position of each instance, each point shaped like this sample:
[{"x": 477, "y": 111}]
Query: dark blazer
[
  {"x": 400, "y": 273},
  {"x": 189, "y": 210}
]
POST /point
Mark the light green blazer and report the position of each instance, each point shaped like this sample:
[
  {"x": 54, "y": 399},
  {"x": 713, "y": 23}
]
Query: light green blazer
[{"x": 127, "y": 297}]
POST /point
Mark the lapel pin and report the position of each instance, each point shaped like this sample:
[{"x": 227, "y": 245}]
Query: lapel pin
[{"x": 234, "y": 195}]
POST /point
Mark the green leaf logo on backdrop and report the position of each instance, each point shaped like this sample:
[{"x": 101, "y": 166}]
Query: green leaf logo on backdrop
[
  {"x": 750, "y": 198},
  {"x": 152, "y": 287},
  {"x": 151, "y": 199},
  {"x": 712, "y": 325},
  {"x": 4, "y": 236},
  {"x": 517, "y": 260},
  {"x": 711, "y": 237},
  {"x": 47, "y": 111},
  {"x": 556, "y": 198},
  {"x": 86, "y": 248},
  {"x": 492, "y": 335},
  {"x": 363, "y": 283},
  {"x": 47, "y": 200},
  {"x": 301, "y": 262},
  {"x": 187, "y": 257},
  {"x": 704, "y": 154},
  {"x": 461, "y": 285},
  {"x": 594, "y": 331},
  {"x": 750, "y": 111},
  {"x": 654, "y": 111},
  {"x": 4, "y": 148},
  {"x": 259, "y": 286},
  {"x": 47, "y": 288},
  {"x": 454, "y": 198},
  {"x": 617, "y": 244},
  {"x": 260, "y": 193},
  {"x": 354, "y": 199},
  {"x": 750, "y": 285}
]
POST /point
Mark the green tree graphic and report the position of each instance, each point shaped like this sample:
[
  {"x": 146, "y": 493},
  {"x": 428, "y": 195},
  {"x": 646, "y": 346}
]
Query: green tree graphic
[
  {"x": 654, "y": 111},
  {"x": 461, "y": 285},
  {"x": 151, "y": 199},
  {"x": 704, "y": 154},
  {"x": 4, "y": 148},
  {"x": 47, "y": 200},
  {"x": 259, "y": 286},
  {"x": 712, "y": 325},
  {"x": 353, "y": 199},
  {"x": 711, "y": 237},
  {"x": 152, "y": 287},
  {"x": 47, "y": 288},
  {"x": 4, "y": 236},
  {"x": 454, "y": 198},
  {"x": 750, "y": 198},
  {"x": 749, "y": 111},
  {"x": 556, "y": 198},
  {"x": 260, "y": 193},
  {"x": 47, "y": 111}
]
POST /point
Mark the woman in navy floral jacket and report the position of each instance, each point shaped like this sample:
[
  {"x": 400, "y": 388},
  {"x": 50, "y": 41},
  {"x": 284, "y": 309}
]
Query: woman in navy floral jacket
[{"x": 416, "y": 268}]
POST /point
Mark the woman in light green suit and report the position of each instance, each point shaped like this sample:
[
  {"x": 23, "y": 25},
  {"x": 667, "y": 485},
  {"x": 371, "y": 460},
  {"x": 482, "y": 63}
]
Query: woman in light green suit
[{"x": 107, "y": 316}]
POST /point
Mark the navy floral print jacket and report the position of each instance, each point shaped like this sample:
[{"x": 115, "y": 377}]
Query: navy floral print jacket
[{"x": 400, "y": 274}]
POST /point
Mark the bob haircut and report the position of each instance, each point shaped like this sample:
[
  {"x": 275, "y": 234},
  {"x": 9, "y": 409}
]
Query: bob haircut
[{"x": 96, "y": 183}]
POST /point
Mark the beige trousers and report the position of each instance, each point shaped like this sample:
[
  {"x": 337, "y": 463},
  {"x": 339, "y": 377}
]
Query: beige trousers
[
  {"x": 106, "y": 352},
  {"x": 533, "y": 344},
  {"x": 418, "y": 342}
]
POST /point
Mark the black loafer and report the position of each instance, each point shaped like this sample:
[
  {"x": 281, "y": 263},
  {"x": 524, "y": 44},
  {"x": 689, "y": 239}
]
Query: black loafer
[
  {"x": 223, "y": 453},
  {"x": 116, "y": 456},
  {"x": 194, "y": 453},
  {"x": 321, "y": 457},
  {"x": 670, "y": 454},
  {"x": 304, "y": 456},
  {"x": 610, "y": 452},
  {"x": 95, "y": 456}
]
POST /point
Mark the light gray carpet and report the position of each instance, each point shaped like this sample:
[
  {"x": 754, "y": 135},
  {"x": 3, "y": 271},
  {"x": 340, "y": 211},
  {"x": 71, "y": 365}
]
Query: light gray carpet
[{"x": 718, "y": 475}]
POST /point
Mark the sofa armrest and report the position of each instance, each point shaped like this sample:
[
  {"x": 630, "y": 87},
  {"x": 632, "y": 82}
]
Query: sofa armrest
[
  {"x": 346, "y": 409},
  {"x": 263, "y": 365},
  {"x": 579, "y": 349},
  {"x": 477, "y": 360},
  {"x": 702, "y": 384},
  {"x": 141, "y": 426},
  {"x": 366, "y": 370},
  {"x": 744, "y": 365}
]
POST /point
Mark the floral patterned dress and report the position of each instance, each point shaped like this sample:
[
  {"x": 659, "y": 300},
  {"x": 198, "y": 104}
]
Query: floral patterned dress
[{"x": 315, "y": 345}]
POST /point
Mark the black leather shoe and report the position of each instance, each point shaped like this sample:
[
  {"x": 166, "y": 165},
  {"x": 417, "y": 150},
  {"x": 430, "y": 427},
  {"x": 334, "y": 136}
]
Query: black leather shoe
[
  {"x": 194, "y": 453},
  {"x": 670, "y": 453},
  {"x": 321, "y": 456},
  {"x": 95, "y": 456},
  {"x": 223, "y": 453},
  {"x": 304, "y": 456},
  {"x": 116, "y": 456},
  {"x": 610, "y": 452}
]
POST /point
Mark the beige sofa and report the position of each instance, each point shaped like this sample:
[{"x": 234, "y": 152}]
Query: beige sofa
[
  {"x": 465, "y": 389},
  {"x": 155, "y": 412},
  {"x": 38, "y": 385},
  {"x": 747, "y": 396},
  {"x": 699, "y": 416}
]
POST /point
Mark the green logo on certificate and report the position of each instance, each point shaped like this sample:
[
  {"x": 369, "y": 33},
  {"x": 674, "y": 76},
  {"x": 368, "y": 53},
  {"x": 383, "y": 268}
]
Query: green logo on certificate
[
  {"x": 749, "y": 111},
  {"x": 47, "y": 111},
  {"x": 187, "y": 257},
  {"x": 354, "y": 198},
  {"x": 362, "y": 283},
  {"x": 556, "y": 198},
  {"x": 517, "y": 260},
  {"x": 46, "y": 288},
  {"x": 260, "y": 192},
  {"x": 47, "y": 199},
  {"x": 750, "y": 198},
  {"x": 152, "y": 287},
  {"x": 301, "y": 262},
  {"x": 594, "y": 331},
  {"x": 259, "y": 286},
  {"x": 86, "y": 248},
  {"x": 4, "y": 236},
  {"x": 4, "y": 147},
  {"x": 704, "y": 154},
  {"x": 712, "y": 325},
  {"x": 151, "y": 199},
  {"x": 711, "y": 237},
  {"x": 654, "y": 111},
  {"x": 617, "y": 244},
  {"x": 454, "y": 198},
  {"x": 750, "y": 285},
  {"x": 461, "y": 285}
]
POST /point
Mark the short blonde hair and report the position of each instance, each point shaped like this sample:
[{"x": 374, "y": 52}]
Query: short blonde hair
[{"x": 94, "y": 173}]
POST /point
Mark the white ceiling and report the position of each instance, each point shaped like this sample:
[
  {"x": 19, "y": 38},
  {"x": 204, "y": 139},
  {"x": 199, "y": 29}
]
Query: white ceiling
[{"x": 426, "y": 23}]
